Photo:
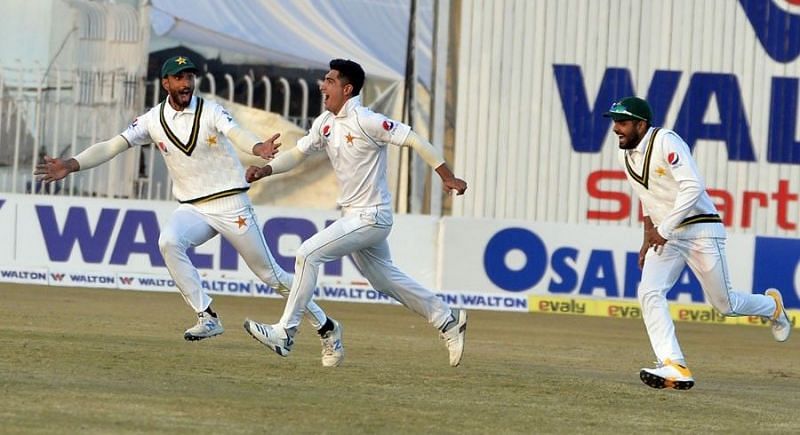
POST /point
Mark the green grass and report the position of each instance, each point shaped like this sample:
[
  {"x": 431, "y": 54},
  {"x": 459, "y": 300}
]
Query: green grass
[{"x": 101, "y": 361}]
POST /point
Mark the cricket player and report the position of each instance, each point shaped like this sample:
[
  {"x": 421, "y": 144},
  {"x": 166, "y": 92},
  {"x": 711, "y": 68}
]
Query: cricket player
[
  {"x": 209, "y": 182},
  {"x": 355, "y": 140},
  {"x": 681, "y": 226}
]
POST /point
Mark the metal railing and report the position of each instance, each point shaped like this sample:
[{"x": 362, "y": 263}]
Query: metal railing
[
  {"x": 73, "y": 109},
  {"x": 208, "y": 83},
  {"x": 61, "y": 116}
]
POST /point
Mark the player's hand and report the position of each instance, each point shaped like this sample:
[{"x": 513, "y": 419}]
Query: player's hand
[
  {"x": 454, "y": 184},
  {"x": 654, "y": 240},
  {"x": 267, "y": 149},
  {"x": 254, "y": 173},
  {"x": 51, "y": 169}
]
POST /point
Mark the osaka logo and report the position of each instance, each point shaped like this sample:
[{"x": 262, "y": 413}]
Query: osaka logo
[
  {"x": 326, "y": 131},
  {"x": 388, "y": 125}
]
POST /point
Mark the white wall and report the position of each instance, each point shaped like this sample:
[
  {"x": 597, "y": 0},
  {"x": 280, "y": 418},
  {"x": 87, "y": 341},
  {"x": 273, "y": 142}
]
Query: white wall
[{"x": 513, "y": 141}]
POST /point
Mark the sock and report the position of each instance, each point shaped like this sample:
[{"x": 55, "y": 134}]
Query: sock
[
  {"x": 210, "y": 311},
  {"x": 328, "y": 326}
]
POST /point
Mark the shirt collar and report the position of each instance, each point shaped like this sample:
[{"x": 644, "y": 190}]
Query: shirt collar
[
  {"x": 349, "y": 106},
  {"x": 641, "y": 147},
  {"x": 171, "y": 113}
]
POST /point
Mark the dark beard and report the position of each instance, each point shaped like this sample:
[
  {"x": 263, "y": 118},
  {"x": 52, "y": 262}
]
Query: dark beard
[
  {"x": 176, "y": 100},
  {"x": 632, "y": 143}
]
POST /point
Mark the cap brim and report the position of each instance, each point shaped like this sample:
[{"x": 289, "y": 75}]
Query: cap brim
[{"x": 621, "y": 116}]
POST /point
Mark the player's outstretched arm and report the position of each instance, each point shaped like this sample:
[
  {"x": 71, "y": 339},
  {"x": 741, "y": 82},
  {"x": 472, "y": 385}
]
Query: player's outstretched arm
[
  {"x": 268, "y": 148},
  {"x": 434, "y": 159},
  {"x": 247, "y": 142},
  {"x": 282, "y": 163},
  {"x": 55, "y": 169},
  {"x": 450, "y": 182}
]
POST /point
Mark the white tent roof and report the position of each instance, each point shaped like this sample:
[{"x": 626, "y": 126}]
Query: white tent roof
[{"x": 304, "y": 33}]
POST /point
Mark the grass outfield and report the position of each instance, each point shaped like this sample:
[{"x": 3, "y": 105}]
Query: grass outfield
[{"x": 102, "y": 361}]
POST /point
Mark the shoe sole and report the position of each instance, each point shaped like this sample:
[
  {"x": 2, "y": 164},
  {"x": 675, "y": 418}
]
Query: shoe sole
[
  {"x": 190, "y": 337},
  {"x": 277, "y": 350},
  {"x": 658, "y": 382},
  {"x": 462, "y": 335}
]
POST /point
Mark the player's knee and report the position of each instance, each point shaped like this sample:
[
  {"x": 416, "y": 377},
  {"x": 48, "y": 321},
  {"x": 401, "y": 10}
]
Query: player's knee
[
  {"x": 644, "y": 293},
  {"x": 168, "y": 241},
  {"x": 306, "y": 256}
]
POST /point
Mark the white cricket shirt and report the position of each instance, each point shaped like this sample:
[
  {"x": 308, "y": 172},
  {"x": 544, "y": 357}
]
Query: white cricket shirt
[
  {"x": 664, "y": 175},
  {"x": 355, "y": 140},
  {"x": 201, "y": 162}
]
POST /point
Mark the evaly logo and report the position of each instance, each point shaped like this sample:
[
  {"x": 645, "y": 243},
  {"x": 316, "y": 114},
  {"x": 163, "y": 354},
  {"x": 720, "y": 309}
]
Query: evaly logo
[{"x": 777, "y": 28}]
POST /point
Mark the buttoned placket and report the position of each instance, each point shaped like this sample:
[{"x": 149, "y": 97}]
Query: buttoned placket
[
  {"x": 334, "y": 139},
  {"x": 635, "y": 154},
  {"x": 178, "y": 120}
]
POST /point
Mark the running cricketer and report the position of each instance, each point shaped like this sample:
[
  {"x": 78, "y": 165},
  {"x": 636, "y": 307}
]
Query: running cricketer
[
  {"x": 681, "y": 226},
  {"x": 209, "y": 183},
  {"x": 355, "y": 140}
]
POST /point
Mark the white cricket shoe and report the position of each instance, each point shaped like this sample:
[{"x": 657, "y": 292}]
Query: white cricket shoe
[
  {"x": 453, "y": 333},
  {"x": 332, "y": 349},
  {"x": 781, "y": 325},
  {"x": 275, "y": 337},
  {"x": 207, "y": 326},
  {"x": 668, "y": 375}
]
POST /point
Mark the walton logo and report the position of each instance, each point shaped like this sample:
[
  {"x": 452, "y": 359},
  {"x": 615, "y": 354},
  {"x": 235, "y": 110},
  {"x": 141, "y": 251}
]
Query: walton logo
[
  {"x": 57, "y": 276},
  {"x": 777, "y": 28},
  {"x": 126, "y": 280}
]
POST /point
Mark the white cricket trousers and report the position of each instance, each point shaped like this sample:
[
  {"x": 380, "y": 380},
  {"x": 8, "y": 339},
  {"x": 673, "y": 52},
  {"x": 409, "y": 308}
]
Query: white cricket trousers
[
  {"x": 360, "y": 233},
  {"x": 706, "y": 258},
  {"x": 232, "y": 216}
]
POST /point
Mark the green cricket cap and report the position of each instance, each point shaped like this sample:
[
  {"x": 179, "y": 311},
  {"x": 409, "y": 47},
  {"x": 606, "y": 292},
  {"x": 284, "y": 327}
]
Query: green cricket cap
[
  {"x": 176, "y": 64},
  {"x": 630, "y": 108}
]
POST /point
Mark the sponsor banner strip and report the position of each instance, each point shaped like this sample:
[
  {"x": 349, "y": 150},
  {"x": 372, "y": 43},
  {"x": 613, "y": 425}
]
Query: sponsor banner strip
[
  {"x": 24, "y": 275},
  {"x": 698, "y": 313}
]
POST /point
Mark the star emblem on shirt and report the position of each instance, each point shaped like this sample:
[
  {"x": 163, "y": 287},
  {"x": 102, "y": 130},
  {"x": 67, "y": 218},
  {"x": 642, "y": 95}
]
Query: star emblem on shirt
[
  {"x": 212, "y": 140},
  {"x": 349, "y": 138},
  {"x": 241, "y": 222},
  {"x": 661, "y": 171},
  {"x": 180, "y": 60}
]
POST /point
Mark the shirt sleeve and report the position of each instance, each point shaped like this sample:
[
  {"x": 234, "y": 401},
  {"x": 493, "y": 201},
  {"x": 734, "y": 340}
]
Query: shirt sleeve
[
  {"x": 382, "y": 129},
  {"x": 681, "y": 164},
  {"x": 223, "y": 120},
  {"x": 137, "y": 133},
  {"x": 313, "y": 140}
]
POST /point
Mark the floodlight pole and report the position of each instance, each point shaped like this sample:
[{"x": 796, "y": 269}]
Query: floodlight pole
[{"x": 409, "y": 103}]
